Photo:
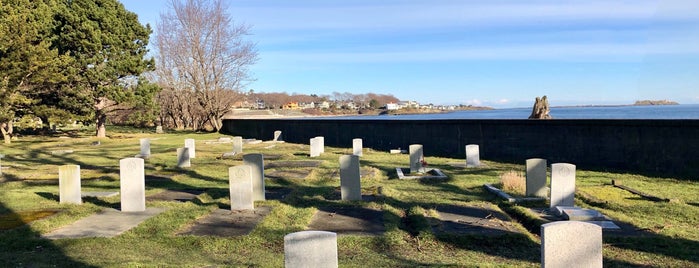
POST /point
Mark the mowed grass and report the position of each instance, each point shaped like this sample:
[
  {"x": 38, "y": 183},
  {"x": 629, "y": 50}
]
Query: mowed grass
[{"x": 667, "y": 232}]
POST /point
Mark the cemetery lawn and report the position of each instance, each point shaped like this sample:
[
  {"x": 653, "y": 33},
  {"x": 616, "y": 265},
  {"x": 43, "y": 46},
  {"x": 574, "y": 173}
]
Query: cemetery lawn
[{"x": 657, "y": 234}]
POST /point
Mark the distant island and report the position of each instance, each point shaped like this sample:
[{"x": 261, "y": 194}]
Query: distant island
[{"x": 654, "y": 102}]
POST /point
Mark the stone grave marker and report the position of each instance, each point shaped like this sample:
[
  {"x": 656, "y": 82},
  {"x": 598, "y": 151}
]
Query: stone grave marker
[
  {"x": 189, "y": 143},
  {"x": 322, "y": 143},
  {"x": 145, "y": 148},
  {"x": 277, "y": 135},
  {"x": 350, "y": 186},
  {"x": 316, "y": 146},
  {"x": 237, "y": 145},
  {"x": 132, "y": 182},
  {"x": 159, "y": 130},
  {"x": 562, "y": 185},
  {"x": 256, "y": 163},
  {"x": 69, "y": 184},
  {"x": 240, "y": 183},
  {"x": 183, "y": 159},
  {"x": 473, "y": 158},
  {"x": 416, "y": 157},
  {"x": 536, "y": 177},
  {"x": 357, "y": 147},
  {"x": 571, "y": 244},
  {"x": 316, "y": 249}
]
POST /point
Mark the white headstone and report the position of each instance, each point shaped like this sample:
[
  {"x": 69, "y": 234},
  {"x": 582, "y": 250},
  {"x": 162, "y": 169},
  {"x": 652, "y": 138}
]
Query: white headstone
[
  {"x": 536, "y": 177},
  {"x": 189, "y": 143},
  {"x": 240, "y": 183},
  {"x": 316, "y": 249},
  {"x": 183, "y": 160},
  {"x": 562, "y": 185},
  {"x": 315, "y": 147},
  {"x": 132, "y": 180},
  {"x": 159, "y": 129},
  {"x": 350, "y": 185},
  {"x": 277, "y": 135},
  {"x": 145, "y": 148},
  {"x": 69, "y": 184},
  {"x": 571, "y": 244},
  {"x": 473, "y": 158},
  {"x": 416, "y": 157},
  {"x": 238, "y": 145},
  {"x": 357, "y": 147},
  {"x": 322, "y": 143},
  {"x": 256, "y": 163}
]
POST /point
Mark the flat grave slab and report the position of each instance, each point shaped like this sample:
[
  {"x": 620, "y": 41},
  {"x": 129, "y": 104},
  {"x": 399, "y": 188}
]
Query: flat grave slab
[
  {"x": 264, "y": 156},
  {"x": 293, "y": 164},
  {"x": 431, "y": 174},
  {"x": 175, "y": 195},
  {"x": 609, "y": 226},
  {"x": 107, "y": 223},
  {"x": 98, "y": 194},
  {"x": 472, "y": 220},
  {"x": 297, "y": 173},
  {"x": 582, "y": 214},
  {"x": 348, "y": 221},
  {"x": 227, "y": 223}
]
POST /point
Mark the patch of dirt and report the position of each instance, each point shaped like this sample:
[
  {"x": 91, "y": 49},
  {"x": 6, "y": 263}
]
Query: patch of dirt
[
  {"x": 348, "y": 220},
  {"x": 299, "y": 173},
  {"x": 227, "y": 223},
  {"x": 175, "y": 195}
]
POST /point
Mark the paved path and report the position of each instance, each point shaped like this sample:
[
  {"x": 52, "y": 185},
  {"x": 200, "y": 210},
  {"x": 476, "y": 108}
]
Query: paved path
[{"x": 108, "y": 223}]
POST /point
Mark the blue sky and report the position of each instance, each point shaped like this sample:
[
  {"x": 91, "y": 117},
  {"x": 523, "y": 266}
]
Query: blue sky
[{"x": 492, "y": 52}]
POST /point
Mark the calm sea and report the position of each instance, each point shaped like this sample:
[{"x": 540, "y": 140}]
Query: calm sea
[{"x": 687, "y": 111}]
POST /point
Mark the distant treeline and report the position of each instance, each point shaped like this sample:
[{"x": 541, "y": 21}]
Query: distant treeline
[{"x": 655, "y": 102}]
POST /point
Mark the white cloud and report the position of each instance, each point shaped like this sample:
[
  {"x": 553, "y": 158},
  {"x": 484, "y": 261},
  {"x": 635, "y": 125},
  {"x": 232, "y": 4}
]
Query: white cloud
[
  {"x": 475, "y": 102},
  {"x": 502, "y": 101}
]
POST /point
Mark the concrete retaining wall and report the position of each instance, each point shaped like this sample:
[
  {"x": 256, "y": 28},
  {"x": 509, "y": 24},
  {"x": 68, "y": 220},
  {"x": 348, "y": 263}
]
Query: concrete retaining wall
[{"x": 654, "y": 147}]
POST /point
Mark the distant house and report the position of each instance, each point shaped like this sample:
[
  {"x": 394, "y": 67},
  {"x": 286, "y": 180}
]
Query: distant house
[
  {"x": 291, "y": 106},
  {"x": 260, "y": 104},
  {"x": 309, "y": 105},
  {"x": 392, "y": 106},
  {"x": 324, "y": 105}
]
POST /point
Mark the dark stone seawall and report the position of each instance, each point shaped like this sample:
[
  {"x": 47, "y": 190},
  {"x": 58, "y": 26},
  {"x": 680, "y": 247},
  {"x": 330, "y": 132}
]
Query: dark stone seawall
[{"x": 667, "y": 148}]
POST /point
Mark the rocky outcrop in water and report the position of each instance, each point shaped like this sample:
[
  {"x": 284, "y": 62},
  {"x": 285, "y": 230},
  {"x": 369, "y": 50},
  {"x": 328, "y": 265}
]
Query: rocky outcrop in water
[{"x": 541, "y": 109}]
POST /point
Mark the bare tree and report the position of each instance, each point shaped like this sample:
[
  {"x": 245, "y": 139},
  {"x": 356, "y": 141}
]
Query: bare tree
[{"x": 202, "y": 51}]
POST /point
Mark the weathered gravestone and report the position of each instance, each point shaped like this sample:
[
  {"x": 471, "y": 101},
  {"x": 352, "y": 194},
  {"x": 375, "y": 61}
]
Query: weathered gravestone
[
  {"x": 416, "y": 158},
  {"x": 145, "y": 148},
  {"x": 350, "y": 185},
  {"x": 241, "y": 187},
  {"x": 316, "y": 146},
  {"x": 69, "y": 184},
  {"x": 183, "y": 160},
  {"x": 256, "y": 163},
  {"x": 132, "y": 180},
  {"x": 473, "y": 158},
  {"x": 189, "y": 143},
  {"x": 562, "y": 185},
  {"x": 237, "y": 145},
  {"x": 159, "y": 130},
  {"x": 536, "y": 177},
  {"x": 357, "y": 147},
  {"x": 277, "y": 135},
  {"x": 571, "y": 244},
  {"x": 316, "y": 249},
  {"x": 321, "y": 140}
]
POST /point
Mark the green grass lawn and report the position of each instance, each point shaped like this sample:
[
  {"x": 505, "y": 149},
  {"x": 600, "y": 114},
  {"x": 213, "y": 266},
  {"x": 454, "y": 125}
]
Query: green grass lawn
[{"x": 29, "y": 188}]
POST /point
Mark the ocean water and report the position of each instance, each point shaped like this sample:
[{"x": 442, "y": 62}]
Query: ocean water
[{"x": 686, "y": 111}]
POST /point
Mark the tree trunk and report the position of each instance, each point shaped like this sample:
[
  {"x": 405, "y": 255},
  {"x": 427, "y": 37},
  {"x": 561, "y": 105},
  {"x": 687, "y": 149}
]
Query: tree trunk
[
  {"x": 216, "y": 122},
  {"x": 6, "y": 129},
  {"x": 101, "y": 125}
]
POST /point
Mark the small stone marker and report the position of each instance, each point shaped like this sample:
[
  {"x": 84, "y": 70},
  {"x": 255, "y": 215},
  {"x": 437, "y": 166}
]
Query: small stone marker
[
  {"x": 240, "y": 183},
  {"x": 315, "y": 147},
  {"x": 562, "y": 185},
  {"x": 571, "y": 244},
  {"x": 238, "y": 145},
  {"x": 350, "y": 185},
  {"x": 316, "y": 249},
  {"x": 183, "y": 160},
  {"x": 357, "y": 147},
  {"x": 189, "y": 143},
  {"x": 132, "y": 180},
  {"x": 536, "y": 177},
  {"x": 159, "y": 129},
  {"x": 473, "y": 158},
  {"x": 145, "y": 148},
  {"x": 416, "y": 157},
  {"x": 69, "y": 184},
  {"x": 277, "y": 135},
  {"x": 322, "y": 143},
  {"x": 256, "y": 163}
]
